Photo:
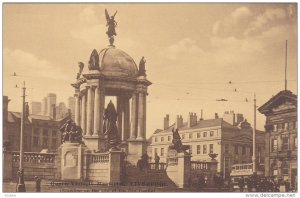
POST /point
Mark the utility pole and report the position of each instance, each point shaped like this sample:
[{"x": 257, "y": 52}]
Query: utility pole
[
  {"x": 21, "y": 184},
  {"x": 285, "y": 70},
  {"x": 254, "y": 137}
]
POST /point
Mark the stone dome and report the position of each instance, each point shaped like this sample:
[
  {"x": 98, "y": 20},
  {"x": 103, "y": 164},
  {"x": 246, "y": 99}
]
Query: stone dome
[{"x": 116, "y": 63}]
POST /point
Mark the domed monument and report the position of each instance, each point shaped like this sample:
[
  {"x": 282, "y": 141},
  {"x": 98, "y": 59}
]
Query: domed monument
[{"x": 112, "y": 72}]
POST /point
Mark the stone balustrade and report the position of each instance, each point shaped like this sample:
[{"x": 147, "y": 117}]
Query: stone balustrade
[
  {"x": 159, "y": 166},
  {"x": 100, "y": 158},
  {"x": 195, "y": 165},
  {"x": 34, "y": 158}
]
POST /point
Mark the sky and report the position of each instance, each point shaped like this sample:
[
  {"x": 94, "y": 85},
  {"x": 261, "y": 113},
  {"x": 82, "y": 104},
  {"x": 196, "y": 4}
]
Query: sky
[{"x": 192, "y": 51}]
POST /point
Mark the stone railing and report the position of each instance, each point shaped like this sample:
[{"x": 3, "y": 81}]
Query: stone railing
[
  {"x": 99, "y": 158},
  {"x": 34, "y": 158},
  {"x": 195, "y": 165},
  {"x": 159, "y": 166}
]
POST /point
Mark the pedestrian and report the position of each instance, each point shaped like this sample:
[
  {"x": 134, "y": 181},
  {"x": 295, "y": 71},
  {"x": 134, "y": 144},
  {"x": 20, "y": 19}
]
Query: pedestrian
[
  {"x": 37, "y": 184},
  {"x": 287, "y": 185},
  {"x": 241, "y": 184}
]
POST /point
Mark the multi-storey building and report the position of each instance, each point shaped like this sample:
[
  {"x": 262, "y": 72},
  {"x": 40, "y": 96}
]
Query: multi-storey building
[
  {"x": 35, "y": 108},
  {"x": 41, "y": 132},
  {"x": 281, "y": 136},
  {"x": 231, "y": 141}
]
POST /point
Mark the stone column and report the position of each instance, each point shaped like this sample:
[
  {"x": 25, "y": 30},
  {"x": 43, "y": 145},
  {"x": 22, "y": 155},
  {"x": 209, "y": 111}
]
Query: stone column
[
  {"x": 120, "y": 115},
  {"x": 89, "y": 115},
  {"x": 101, "y": 108},
  {"x": 77, "y": 110},
  {"x": 134, "y": 101},
  {"x": 144, "y": 113},
  {"x": 140, "y": 135},
  {"x": 83, "y": 113},
  {"x": 126, "y": 129},
  {"x": 97, "y": 112}
]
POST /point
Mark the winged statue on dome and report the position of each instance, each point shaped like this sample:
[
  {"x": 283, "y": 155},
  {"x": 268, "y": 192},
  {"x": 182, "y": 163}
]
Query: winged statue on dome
[{"x": 112, "y": 24}]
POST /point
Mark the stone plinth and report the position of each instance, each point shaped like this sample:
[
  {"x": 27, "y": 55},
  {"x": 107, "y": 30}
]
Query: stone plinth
[
  {"x": 72, "y": 158},
  {"x": 136, "y": 148},
  {"x": 179, "y": 169},
  {"x": 115, "y": 166}
]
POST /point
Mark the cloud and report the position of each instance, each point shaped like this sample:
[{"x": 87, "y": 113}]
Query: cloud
[
  {"x": 185, "y": 47},
  {"x": 243, "y": 22},
  {"x": 29, "y": 65}
]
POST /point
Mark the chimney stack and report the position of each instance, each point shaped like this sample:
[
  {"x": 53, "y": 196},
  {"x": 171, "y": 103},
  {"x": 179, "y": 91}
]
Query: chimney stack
[
  {"x": 216, "y": 116},
  {"x": 201, "y": 114},
  {"x": 53, "y": 111},
  {"x": 166, "y": 122},
  {"x": 5, "y": 108},
  {"x": 179, "y": 122},
  {"x": 192, "y": 119}
]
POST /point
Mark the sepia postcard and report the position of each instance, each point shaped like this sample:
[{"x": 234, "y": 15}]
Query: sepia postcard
[{"x": 150, "y": 97}]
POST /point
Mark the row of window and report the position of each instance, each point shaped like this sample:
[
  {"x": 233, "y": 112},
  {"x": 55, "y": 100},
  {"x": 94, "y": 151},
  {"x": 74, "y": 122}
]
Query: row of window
[
  {"x": 45, "y": 133},
  {"x": 204, "y": 149},
  {"x": 162, "y": 151},
  {"x": 284, "y": 143},
  {"x": 285, "y": 126},
  {"x": 44, "y": 143},
  {"x": 190, "y": 136}
]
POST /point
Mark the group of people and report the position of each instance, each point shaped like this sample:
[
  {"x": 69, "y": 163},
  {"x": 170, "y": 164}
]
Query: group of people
[
  {"x": 263, "y": 184},
  {"x": 71, "y": 132}
]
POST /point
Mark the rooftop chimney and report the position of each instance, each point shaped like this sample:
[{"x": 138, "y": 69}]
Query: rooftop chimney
[
  {"x": 229, "y": 117},
  {"x": 201, "y": 114},
  {"x": 192, "y": 119},
  {"x": 179, "y": 122},
  {"x": 5, "y": 107},
  {"x": 53, "y": 112},
  {"x": 216, "y": 116},
  {"x": 166, "y": 122}
]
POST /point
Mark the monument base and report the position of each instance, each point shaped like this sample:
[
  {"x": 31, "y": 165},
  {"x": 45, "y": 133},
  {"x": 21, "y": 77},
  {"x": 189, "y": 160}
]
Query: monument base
[
  {"x": 136, "y": 148},
  {"x": 95, "y": 143},
  {"x": 72, "y": 155}
]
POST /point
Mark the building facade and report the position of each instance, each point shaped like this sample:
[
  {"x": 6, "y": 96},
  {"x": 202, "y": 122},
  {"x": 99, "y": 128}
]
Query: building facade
[
  {"x": 232, "y": 142},
  {"x": 281, "y": 136},
  {"x": 36, "y": 108},
  {"x": 41, "y": 132}
]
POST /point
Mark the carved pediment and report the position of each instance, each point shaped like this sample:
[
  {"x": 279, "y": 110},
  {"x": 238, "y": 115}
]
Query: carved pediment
[{"x": 284, "y": 106}]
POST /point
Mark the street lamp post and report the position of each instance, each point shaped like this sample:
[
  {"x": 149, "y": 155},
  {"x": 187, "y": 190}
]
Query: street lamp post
[
  {"x": 21, "y": 184},
  {"x": 254, "y": 137}
]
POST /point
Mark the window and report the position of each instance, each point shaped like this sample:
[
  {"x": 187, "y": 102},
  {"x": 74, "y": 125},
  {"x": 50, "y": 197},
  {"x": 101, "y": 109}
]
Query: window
[
  {"x": 279, "y": 126},
  {"x": 54, "y": 140},
  {"x": 274, "y": 127},
  {"x": 190, "y": 136},
  {"x": 45, "y": 132},
  {"x": 227, "y": 148},
  {"x": 169, "y": 138},
  {"x": 274, "y": 145},
  {"x": 244, "y": 150},
  {"x": 286, "y": 126},
  {"x": 162, "y": 150},
  {"x": 236, "y": 149},
  {"x": 155, "y": 139},
  {"x": 45, "y": 142},
  {"x": 204, "y": 134},
  {"x": 211, "y": 148},
  {"x": 35, "y": 141},
  {"x": 54, "y": 133},
  {"x": 183, "y": 136},
  {"x": 211, "y": 133},
  {"x": 198, "y": 149},
  {"x": 161, "y": 139},
  {"x": 285, "y": 143},
  {"x": 285, "y": 168},
  {"x": 36, "y": 131},
  {"x": 198, "y": 135},
  {"x": 204, "y": 149}
]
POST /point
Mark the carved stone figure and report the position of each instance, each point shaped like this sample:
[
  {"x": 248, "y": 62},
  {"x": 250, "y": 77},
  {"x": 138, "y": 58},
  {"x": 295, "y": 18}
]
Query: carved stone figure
[
  {"x": 177, "y": 144},
  {"x": 81, "y": 66},
  {"x": 94, "y": 61},
  {"x": 142, "y": 71},
  {"x": 112, "y": 24},
  {"x": 71, "y": 132},
  {"x": 109, "y": 126}
]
